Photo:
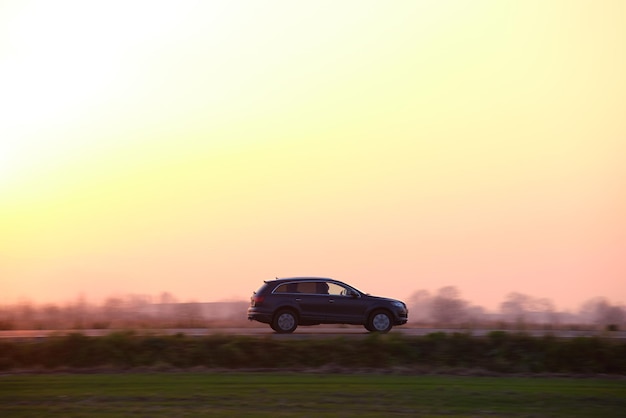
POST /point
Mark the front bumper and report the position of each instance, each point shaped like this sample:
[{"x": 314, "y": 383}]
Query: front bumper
[{"x": 402, "y": 317}]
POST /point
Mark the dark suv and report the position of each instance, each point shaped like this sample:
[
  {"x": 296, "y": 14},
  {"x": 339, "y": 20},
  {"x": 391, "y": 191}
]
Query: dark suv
[{"x": 286, "y": 303}]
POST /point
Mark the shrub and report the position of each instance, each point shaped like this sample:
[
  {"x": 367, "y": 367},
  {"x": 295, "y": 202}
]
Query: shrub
[{"x": 499, "y": 352}]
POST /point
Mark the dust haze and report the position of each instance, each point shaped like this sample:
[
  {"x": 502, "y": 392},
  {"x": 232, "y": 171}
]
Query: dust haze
[{"x": 445, "y": 307}]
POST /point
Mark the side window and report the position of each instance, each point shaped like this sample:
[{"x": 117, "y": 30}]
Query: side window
[
  {"x": 307, "y": 287},
  {"x": 336, "y": 290},
  {"x": 312, "y": 288},
  {"x": 321, "y": 288},
  {"x": 287, "y": 288}
]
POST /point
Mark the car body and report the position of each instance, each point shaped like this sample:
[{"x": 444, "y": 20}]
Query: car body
[{"x": 288, "y": 302}]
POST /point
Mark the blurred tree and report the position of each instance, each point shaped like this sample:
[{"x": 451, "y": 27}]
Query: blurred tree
[
  {"x": 25, "y": 314},
  {"x": 600, "y": 311},
  {"x": 447, "y": 307},
  {"x": 189, "y": 315},
  {"x": 51, "y": 317},
  {"x": 419, "y": 304},
  {"x": 515, "y": 306},
  {"x": 523, "y": 308},
  {"x": 114, "y": 311},
  {"x": 167, "y": 298},
  {"x": 78, "y": 312}
]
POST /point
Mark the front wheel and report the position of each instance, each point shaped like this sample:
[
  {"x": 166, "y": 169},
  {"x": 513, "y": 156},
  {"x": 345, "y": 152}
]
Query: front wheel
[
  {"x": 379, "y": 321},
  {"x": 284, "y": 322}
]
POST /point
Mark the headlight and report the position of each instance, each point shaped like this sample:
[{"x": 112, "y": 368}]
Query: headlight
[{"x": 398, "y": 305}]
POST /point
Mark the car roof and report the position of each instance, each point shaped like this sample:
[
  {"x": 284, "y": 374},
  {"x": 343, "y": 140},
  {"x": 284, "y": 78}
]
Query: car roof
[{"x": 296, "y": 279}]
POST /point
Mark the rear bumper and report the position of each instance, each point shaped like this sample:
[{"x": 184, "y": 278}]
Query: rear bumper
[{"x": 256, "y": 314}]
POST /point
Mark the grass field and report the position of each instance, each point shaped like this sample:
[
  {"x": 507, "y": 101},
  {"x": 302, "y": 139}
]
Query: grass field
[{"x": 306, "y": 395}]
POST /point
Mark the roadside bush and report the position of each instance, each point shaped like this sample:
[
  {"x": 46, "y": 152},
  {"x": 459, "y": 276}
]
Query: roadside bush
[{"x": 498, "y": 352}]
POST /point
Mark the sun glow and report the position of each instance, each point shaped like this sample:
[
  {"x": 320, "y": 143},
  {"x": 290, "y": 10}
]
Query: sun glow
[{"x": 158, "y": 144}]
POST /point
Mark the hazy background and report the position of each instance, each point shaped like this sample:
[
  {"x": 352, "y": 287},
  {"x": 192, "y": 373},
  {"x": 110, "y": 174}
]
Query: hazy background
[{"x": 202, "y": 147}]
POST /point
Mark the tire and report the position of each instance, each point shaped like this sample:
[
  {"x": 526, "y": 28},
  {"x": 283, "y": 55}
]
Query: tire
[
  {"x": 285, "y": 321},
  {"x": 379, "y": 321}
]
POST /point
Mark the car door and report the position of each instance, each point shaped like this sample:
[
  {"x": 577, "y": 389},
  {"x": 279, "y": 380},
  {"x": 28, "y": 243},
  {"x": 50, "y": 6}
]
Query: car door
[
  {"x": 312, "y": 300},
  {"x": 344, "y": 305}
]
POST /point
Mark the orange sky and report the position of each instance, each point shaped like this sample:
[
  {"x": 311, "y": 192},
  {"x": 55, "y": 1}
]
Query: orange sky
[{"x": 202, "y": 147}]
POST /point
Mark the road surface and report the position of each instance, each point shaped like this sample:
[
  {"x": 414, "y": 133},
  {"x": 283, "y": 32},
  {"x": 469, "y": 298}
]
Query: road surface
[{"x": 303, "y": 332}]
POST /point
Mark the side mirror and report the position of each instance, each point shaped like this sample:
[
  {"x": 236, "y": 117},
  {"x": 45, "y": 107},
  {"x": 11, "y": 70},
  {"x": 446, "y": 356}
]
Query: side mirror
[{"x": 352, "y": 293}]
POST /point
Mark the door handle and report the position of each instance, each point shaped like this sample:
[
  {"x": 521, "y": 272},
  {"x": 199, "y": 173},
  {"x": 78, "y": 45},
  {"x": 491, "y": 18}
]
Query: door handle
[
  {"x": 298, "y": 299},
  {"x": 331, "y": 300}
]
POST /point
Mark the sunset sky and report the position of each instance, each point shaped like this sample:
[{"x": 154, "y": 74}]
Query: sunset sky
[{"x": 202, "y": 147}]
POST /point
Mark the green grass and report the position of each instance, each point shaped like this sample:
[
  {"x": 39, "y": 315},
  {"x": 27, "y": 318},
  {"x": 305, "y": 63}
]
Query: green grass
[{"x": 306, "y": 394}]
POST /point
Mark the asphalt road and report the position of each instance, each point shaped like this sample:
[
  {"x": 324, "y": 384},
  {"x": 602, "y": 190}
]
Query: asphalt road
[{"x": 303, "y": 332}]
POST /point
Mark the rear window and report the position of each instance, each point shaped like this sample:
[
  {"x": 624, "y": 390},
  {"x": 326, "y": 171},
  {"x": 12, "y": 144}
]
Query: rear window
[{"x": 262, "y": 289}]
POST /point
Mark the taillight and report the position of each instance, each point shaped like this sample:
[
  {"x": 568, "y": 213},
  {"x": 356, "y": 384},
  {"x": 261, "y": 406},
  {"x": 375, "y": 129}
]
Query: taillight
[{"x": 257, "y": 300}]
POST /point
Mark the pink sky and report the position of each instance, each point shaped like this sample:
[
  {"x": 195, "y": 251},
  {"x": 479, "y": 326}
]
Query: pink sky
[{"x": 210, "y": 147}]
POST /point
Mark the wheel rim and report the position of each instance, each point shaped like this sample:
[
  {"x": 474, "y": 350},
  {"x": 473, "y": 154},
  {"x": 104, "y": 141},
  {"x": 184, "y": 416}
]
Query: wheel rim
[
  {"x": 381, "y": 322},
  {"x": 286, "y": 321}
]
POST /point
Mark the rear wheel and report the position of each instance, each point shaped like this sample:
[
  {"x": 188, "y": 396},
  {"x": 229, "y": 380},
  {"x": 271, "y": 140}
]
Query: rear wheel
[
  {"x": 379, "y": 321},
  {"x": 284, "y": 322}
]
